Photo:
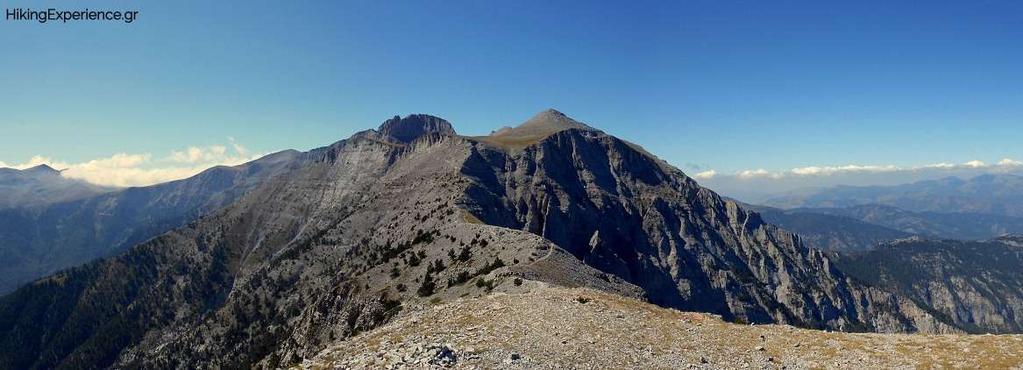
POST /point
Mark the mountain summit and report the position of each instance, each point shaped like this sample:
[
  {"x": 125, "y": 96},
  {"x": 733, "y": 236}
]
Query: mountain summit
[
  {"x": 541, "y": 125},
  {"x": 38, "y": 186},
  {"x": 413, "y": 126},
  {"x": 552, "y": 119},
  {"x": 42, "y": 170}
]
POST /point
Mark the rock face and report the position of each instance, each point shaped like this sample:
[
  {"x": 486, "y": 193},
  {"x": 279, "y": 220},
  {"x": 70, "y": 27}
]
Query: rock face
[
  {"x": 411, "y": 214},
  {"x": 37, "y": 241},
  {"x": 631, "y": 215},
  {"x": 405, "y": 130},
  {"x": 978, "y": 286}
]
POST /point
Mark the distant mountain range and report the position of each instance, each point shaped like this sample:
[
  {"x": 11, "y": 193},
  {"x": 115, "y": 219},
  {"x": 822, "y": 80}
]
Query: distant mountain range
[
  {"x": 849, "y": 218},
  {"x": 941, "y": 225},
  {"x": 63, "y": 223},
  {"x": 994, "y": 194},
  {"x": 864, "y": 227},
  {"x": 340, "y": 240}
]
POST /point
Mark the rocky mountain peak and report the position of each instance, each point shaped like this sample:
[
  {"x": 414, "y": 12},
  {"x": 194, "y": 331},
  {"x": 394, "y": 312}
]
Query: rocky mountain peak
[
  {"x": 541, "y": 125},
  {"x": 413, "y": 126},
  {"x": 552, "y": 120}
]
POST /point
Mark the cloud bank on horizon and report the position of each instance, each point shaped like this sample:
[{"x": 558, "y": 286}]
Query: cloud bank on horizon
[
  {"x": 142, "y": 169},
  {"x": 754, "y": 185}
]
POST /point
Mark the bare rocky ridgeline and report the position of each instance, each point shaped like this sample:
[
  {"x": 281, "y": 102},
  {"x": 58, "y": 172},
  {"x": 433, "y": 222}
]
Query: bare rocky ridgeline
[
  {"x": 538, "y": 326},
  {"x": 412, "y": 215}
]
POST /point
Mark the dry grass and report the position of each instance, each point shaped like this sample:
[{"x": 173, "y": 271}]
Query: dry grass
[{"x": 510, "y": 143}]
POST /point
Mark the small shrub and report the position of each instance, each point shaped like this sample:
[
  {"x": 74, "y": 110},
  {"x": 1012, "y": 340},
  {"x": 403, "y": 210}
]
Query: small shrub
[
  {"x": 498, "y": 263},
  {"x": 427, "y": 287},
  {"x": 436, "y": 266},
  {"x": 465, "y": 254},
  {"x": 485, "y": 284}
]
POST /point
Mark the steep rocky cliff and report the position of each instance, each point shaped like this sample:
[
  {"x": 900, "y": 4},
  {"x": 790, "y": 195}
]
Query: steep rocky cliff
[
  {"x": 411, "y": 214},
  {"x": 978, "y": 286},
  {"x": 629, "y": 214}
]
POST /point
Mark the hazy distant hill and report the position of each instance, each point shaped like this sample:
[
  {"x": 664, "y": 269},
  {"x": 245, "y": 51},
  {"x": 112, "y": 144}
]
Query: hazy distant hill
[
  {"x": 987, "y": 194},
  {"x": 961, "y": 225},
  {"x": 833, "y": 232},
  {"x": 42, "y": 185}
]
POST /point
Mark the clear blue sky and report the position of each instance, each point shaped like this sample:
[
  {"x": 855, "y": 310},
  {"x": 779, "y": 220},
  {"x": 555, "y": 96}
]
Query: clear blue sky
[{"x": 725, "y": 85}]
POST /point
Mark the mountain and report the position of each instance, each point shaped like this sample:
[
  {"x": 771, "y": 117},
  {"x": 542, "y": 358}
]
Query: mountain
[
  {"x": 1000, "y": 194},
  {"x": 830, "y": 231},
  {"x": 977, "y": 285},
  {"x": 961, "y": 225},
  {"x": 36, "y": 241},
  {"x": 41, "y": 185},
  {"x": 391, "y": 220}
]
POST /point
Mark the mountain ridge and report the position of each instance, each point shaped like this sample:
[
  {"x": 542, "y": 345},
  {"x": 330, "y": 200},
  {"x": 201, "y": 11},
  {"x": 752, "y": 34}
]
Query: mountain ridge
[{"x": 42, "y": 239}]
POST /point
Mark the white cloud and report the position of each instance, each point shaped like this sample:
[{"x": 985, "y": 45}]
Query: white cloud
[
  {"x": 706, "y": 174},
  {"x": 830, "y": 170},
  {"x": 942, "y": 165},
  {"x": 125, "y": 169},
  {"x": 757, "y": 173},
  {"x": 1009, "y": 162},
  {"x": 819, "y": 171},
  {"x": 198, "y": 155},
  {"x": 975, "y": 164},
  {"x": 757, "y": 185}
]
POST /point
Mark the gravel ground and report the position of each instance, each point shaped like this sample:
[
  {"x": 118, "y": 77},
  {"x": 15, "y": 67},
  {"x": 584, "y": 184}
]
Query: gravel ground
[{"x": 548, "y": 327}]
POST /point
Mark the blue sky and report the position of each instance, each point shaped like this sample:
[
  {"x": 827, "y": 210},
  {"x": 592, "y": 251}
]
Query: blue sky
[{"x": 707, "y": 85}]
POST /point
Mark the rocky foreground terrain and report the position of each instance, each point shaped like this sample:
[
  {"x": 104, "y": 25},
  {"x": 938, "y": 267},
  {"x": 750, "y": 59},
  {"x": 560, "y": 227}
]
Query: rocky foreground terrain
[{"x": 539, "y": 326}]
